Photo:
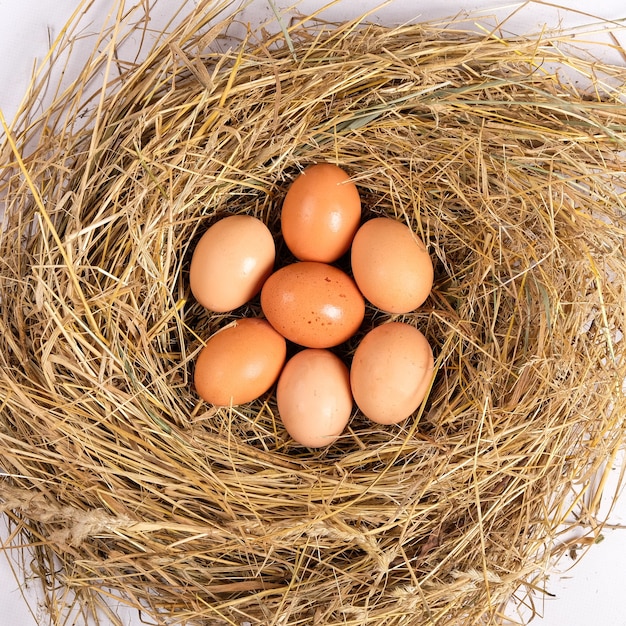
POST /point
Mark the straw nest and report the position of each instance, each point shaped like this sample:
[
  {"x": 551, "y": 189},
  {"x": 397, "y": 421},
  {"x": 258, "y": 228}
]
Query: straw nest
[{"x": 125, "y": 483}]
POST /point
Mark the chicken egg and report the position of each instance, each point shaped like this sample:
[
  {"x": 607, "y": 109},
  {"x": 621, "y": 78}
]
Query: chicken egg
[
  {"x": 391, "y": 372},
  {"x": 391, "y": 265},
  {"x": 320, "y": 213},
  {"x": 314, "y": 398},
  {"x": 231, "y": 262},
  {"x": 313, "y": 304},
  {"x": 239, "y": 363}
]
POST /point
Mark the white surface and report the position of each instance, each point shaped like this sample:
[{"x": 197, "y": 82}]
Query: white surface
[
  {"x": 592, "y": 592},
  {"x": 14, "y": 608}
]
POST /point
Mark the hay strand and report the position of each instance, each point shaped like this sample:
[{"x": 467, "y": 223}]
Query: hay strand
[{"x": 509, "y": 170}]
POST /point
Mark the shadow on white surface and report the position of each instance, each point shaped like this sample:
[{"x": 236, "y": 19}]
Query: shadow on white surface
[{"x": 17, "y": 598}]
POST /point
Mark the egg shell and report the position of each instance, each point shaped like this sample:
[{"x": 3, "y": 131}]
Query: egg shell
[
  {"x": 391, "y": 372},
  {"x": 239, "y": 363},
  {"x": 231, "y": 262},
  {"x": 391, "y": 265},
  {"x": 314, "y": 398},
  {"x": 320, "y": 213},
  {"x": 313, "y": 304}
]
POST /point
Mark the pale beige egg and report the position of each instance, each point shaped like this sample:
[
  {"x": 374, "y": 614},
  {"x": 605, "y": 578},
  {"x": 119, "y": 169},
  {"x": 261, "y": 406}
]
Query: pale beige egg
[
  {"x": 391, "y": 265},
  {"x": 313, "y": 397},
  {"x": 231, "y": 262},
  {"x": 391, "y": 372}
]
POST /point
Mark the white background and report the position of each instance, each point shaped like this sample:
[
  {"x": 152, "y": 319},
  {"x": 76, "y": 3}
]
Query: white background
[{"x": 586, "y": 592}]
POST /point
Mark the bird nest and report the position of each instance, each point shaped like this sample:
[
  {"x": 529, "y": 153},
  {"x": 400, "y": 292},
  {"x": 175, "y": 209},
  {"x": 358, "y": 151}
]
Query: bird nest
[{"x": 125, "y": 483}]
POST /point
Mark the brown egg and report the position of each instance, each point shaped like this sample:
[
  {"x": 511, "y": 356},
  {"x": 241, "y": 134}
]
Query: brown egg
[
  {"x": 231, "y": 262},
  {"x": 239, "y": 363},
  {"x": 391, "y": 372},
  {"x": 391, "y": 265},
  {"x": 320, "y": 213},
  {"x": 313, "y": 304},
  {"x": 313, "y": 397}
]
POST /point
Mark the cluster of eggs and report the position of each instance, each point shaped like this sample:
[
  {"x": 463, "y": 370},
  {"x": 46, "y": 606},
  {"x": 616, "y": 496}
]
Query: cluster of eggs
[{"x": 316, "y": 306}]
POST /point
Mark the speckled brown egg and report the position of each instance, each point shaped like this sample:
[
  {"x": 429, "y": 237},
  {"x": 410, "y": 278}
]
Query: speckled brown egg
[{"x": 313, "y": 304}]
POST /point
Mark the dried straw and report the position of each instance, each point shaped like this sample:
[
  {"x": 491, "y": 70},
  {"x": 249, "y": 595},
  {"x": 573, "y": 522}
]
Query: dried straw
[{"x": 123, "y": 481}]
